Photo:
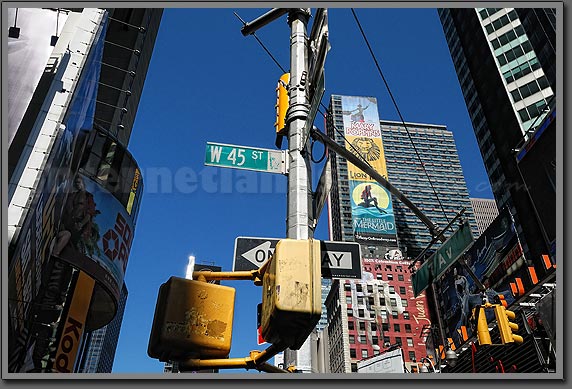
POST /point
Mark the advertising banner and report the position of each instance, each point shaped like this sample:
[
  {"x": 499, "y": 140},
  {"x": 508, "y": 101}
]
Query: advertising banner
[
  {"x": 372, "y": 210},
  {"x": 74, "y": 325},
  {"x": 31, "y": 247},
  {"x": 96, "y": 234},
  {"x": 495, "y": 259},
  {"x": 388, "y": 362}
]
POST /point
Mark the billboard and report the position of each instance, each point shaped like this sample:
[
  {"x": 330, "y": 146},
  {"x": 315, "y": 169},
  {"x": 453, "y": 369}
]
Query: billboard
[
  {"x": 496, "y": 258},
  {"x": 372, "y": 209},
  {"x": 388, "y": 362},
  {"x": 29, "y": 269},
  {"x": 96, "y": 234}
]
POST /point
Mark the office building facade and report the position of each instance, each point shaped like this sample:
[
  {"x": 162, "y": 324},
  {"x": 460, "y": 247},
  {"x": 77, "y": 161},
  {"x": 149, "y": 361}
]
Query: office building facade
[
  {"x": 485, "y": 212},
  {"x": 74, "y": 189},
  {"x": 505, "y": 63},
  {"x": 412, "y": 153},
  {"x": 99, "y": 346}
]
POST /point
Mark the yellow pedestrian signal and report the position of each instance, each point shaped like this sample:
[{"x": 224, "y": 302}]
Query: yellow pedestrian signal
[
  {"x": 506, "y": 327},
  {"x": 193, "y": 319},
  {"x": 483, "y": 334},
  {"x": 291, "y": 292},
  {"x": 282, "y": 102}
]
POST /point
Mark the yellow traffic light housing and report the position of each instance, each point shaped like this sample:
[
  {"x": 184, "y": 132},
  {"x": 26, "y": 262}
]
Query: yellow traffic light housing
[
  {"x": 193, "y": 319},
  {"x": 291, "y": 292},
  {"x": 282, "y": 102},
  {"x": 506, "y": 327},
  {"x": 483, "y": 334}
]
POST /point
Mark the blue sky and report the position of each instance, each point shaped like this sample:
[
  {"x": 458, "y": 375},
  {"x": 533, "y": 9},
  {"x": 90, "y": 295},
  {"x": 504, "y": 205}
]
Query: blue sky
[{"x": 206, "y": 82}]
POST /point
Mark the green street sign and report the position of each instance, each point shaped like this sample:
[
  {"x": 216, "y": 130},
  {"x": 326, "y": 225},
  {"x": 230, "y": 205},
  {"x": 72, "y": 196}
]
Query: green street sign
[
  {"x": 446, "y": 255},
  {"x": 248, "y": 158}
]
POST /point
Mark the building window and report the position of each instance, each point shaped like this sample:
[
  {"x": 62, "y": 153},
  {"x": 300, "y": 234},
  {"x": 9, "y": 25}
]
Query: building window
[
  {"x": 352, "y": 338},
  {"x": 405, "y": 315},
  {"x": 398, "y": 340},
  {"x": 350, "y": 312},
  {"x": 400, "y": 277},
  {"x": 386, "y": 341},
  {"x": 364, "y": 354},
  {"x": 402, "y": 290},
  {"x": 373, "y": 327},
  {"x": 394, "y": 314},
  {"x": 362, "y": 339},
  {"x": 350, "y": 325},
  {"x": 390, "y": 277},
  {"x": 412, "y": 356},
  {"x": 404, "y": 302},
  {"x": 391, "y": 289},
  {"x": 396, "y": 328},
  {"x": 370, "y": 288},
  {"x": 348, "y": 299},
  {"x": 374, "y": 340},
  {"x": 407, "y": 327},
  {"x": 410, "y": 342},
  {"x": 353, "y": 353},
  {"x": 360, "y": 313},
  {"x": 354, "y": 367},
  {"x": 385, "y": 326},
  {"x": 358, "y": 287},
  {"x": 393, "y": 302},
  {"x": 362, "y": 326}
]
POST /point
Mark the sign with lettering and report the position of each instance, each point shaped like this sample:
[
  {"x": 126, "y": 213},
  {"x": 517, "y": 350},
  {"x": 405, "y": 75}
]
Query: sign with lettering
[{"x": 339, "y": 259}]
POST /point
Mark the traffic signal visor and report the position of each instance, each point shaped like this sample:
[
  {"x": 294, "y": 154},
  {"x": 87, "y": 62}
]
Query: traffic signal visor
[
  {"x": 193, "y": 319},
  {"x": 483, "y": 334},
  {"x": 291, "y": 292},
  {"x": 282, "y": 102},
  {"x": 506, "y": 327}
]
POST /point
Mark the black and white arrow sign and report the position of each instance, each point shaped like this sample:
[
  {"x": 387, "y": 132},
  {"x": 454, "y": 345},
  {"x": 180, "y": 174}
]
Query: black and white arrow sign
[
  {"x": 251, "y": 253},
  {"x": 339, "y": 259}
]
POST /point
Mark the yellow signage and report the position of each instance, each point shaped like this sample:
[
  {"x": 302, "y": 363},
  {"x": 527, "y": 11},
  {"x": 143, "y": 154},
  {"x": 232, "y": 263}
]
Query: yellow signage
[{"x": 75, "y": 323}]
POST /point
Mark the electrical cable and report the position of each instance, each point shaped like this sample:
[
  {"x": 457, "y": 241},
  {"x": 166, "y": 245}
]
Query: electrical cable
[
  {"x": 398, "y": 111},
  {"x": 262, "y": 44}
]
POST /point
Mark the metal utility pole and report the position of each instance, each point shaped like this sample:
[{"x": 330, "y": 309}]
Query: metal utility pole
[{"x": 299, "y": 183}]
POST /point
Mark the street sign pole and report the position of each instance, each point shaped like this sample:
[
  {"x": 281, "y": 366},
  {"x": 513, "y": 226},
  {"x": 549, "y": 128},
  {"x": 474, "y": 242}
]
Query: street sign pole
[{"x": 299, "y": 183}]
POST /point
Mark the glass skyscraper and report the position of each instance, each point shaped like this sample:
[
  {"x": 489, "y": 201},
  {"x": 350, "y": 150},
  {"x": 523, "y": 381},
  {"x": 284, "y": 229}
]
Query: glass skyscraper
[
  {"x": 439, "y": 159},
  {"x": 505, "y": 63},
  {"x": 99, "y": 346}
]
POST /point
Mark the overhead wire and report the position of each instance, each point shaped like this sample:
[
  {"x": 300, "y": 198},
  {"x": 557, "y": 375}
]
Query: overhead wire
[{"x": 398, "y": 111}]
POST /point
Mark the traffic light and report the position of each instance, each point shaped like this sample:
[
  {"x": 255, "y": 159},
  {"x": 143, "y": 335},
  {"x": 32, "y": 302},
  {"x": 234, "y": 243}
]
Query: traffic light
[
  {"x": 291, "y": 292},
  {"x": 483, "y": 334},
  {"x": 506, "y": 327},
  {"x": 282, "y": 102},
  {"x": 193, "y": 319}
]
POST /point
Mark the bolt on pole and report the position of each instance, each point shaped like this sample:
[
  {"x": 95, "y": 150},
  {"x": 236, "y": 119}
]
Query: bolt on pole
[{"x": 299, "y": 177}]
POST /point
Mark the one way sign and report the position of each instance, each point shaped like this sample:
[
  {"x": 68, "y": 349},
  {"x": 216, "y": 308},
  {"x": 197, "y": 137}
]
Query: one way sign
[{"x": 339, "y": 259}]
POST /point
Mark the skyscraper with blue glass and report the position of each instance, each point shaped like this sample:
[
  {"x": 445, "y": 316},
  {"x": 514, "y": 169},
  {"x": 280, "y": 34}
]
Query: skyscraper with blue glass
[{"x": 505, "y": 62}]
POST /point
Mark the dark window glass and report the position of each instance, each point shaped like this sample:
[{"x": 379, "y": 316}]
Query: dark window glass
[
  {"x": 497, "y": 24},
  {"x": 352, "y": 353},
  {"x": 502, "y": 59},
  {"x": 543, "y": 81},
  {"x": 523, "y": 115},
  {"x": 396, "y": 328},
  {"x": 354, "y": 367},
  {"x": 362, "y": 325},
  {"x": 512, "y": 15},
  {"x": 526, "y": 46},
  {"x": 400, "y": 277},
  {"x": 511, "y": 35},
  {"x": 519, "y": 30},
  {"x": 350, "y": 325},
  {"x": 484, "y": 13},
  {"x": 503, "y": 39},
  {"x": 510, "y": 55},
  {"x": 407, "y": 327},
  {"x": 518, "y": 51},
  {"x": 515, "y": 95}
]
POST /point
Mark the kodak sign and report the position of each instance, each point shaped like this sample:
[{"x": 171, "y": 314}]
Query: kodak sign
[{"x": 74, "y": 325}]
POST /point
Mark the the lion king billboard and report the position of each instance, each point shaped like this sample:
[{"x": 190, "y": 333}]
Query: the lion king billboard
[{"x": 372, "y": 209}]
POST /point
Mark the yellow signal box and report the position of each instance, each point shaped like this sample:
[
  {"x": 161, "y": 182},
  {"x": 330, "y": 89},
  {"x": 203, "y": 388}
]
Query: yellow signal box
[
  {"x": 483, "y": 334},
  {"x": 193, "y": 319},
  {"x": 291, "y": 292},
  {"x": 282, "y": 102},
  {"x": 506, "y": 327}
]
